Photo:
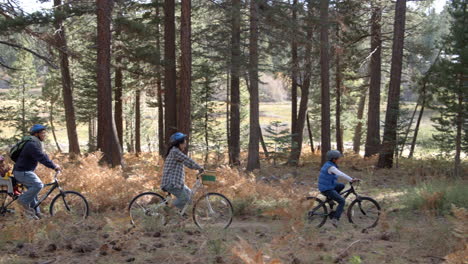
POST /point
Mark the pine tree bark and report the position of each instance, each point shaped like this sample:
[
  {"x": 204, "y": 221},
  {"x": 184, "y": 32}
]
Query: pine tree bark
[
  {"x": 372, "y": 146},
  {"x": 294, "y": 77},
  {"x": 253, "y": 161},
  {"x": 234, "y": 125},
  {"x": 391, "y": 117},
  {"x": 325, "y": 79},
  {"x": 311, "y": 138},
  {"x": 358, "y": 131},
  {"x": 137, "y": 121},
  {"x": 61, "y": 42},
  {"x": 118, "y": 89},
  {"x": 170, "y": 89},
  {"x": 159, "y": 88},
  {"x": 297, "y": 136},
  {"x": 459, "y": 124},
  {"x": 409, "y": 128},
  {"x": 108, "y": 142},
  {"x": 418, "y": 122},
  {"x": 52, "y": 126},
  {"x": 339, "y": 136},
  {"x": 184, "y": 121}
]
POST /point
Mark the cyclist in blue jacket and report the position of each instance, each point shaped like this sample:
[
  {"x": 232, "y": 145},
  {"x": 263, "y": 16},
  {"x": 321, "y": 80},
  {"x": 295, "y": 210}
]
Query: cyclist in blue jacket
[
  {"x": 328, "y": 185},
  {"x": 32, "y": 154}
]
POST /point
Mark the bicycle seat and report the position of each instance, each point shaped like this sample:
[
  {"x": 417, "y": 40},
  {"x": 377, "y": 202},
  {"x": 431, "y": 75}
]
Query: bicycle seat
[{"x": 167, "y": 192}]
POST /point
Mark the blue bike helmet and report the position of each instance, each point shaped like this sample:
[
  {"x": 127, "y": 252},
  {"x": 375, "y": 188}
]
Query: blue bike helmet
[
  {"x": 177, "y": 138},
  {"x": 36, "y": 129}
]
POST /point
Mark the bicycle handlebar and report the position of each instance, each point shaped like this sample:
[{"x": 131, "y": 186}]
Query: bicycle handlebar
[{"x": 56, "y": 175}]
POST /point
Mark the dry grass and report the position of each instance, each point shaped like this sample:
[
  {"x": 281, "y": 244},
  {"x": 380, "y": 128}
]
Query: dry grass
[{"x": 269, "y": 228}]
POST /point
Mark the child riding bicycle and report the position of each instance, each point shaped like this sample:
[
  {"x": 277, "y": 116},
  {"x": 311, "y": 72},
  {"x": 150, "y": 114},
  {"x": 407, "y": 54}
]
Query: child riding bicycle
[
  {"x": 328, "y": 186},
  {"x": 173, "y": 179}
]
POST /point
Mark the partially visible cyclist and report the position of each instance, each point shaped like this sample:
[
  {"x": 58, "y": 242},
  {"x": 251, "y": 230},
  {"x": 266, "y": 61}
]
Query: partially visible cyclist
[
  {"x": 31, "y": 154},
  {"x": 173, "y": 179},
  {"x": 328, "y": 185}
]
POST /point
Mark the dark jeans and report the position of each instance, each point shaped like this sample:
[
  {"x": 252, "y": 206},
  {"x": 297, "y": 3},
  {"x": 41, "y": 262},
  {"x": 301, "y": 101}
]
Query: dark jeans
[{"x": 335, "y": 196}]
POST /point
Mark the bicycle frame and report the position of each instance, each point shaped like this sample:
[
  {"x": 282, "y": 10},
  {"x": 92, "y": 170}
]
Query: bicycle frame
[
  {"x": 54, "y": 185},
  {"x": 196, "y": 187},
  {"x": 344, "y": 193}
]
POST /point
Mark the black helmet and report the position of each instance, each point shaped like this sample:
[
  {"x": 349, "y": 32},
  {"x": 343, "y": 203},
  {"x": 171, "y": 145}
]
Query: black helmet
[{"x": 334, "y": 154}]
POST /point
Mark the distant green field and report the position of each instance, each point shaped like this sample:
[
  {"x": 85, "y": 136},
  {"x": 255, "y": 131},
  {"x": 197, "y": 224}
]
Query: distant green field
[{"x": 269, "y": 112}]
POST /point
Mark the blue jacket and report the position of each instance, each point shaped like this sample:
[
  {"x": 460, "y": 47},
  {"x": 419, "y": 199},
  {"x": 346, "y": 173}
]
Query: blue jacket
[
  {"x": 327, "y": 181},
  {"x": 30, "y": 155}
]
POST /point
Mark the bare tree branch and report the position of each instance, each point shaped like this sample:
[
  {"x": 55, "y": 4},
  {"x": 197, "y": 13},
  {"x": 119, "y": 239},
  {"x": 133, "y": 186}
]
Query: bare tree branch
[{"x": 30, "y": 51}]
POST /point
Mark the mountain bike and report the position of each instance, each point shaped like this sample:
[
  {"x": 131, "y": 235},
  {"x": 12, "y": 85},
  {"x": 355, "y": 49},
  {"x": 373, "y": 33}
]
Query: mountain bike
[
  {"x": 363, "y": 212},
  {"x": 210, "y": 210},
  {"x": 69, "y": 203}
]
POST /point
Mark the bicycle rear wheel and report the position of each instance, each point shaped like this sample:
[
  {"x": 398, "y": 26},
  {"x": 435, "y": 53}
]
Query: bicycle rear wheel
[
  {"x": 212, "y": 210},
  {"x": 317, "y": 215},
  {"x": 147, "y": 208},
  {"x": 70, "y": 204},
  {"x": 364, "y": 212},
  {"x": 5, "y": 201}
]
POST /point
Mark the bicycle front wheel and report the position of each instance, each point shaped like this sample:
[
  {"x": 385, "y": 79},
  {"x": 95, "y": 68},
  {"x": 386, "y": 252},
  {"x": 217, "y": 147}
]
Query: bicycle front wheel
[
  {"x": 70, "y": 204},
  {"x": 147, "y": 208},
  {"x": 212, "y": 210},
  {"x": 364, "y": 212},
  {"x": 318, "y": 213},
  {"x": 5, "y": 200}
]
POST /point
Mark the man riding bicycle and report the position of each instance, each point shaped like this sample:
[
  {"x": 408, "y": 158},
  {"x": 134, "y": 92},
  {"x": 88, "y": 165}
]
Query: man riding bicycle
[{"x": 32, "y": 153}]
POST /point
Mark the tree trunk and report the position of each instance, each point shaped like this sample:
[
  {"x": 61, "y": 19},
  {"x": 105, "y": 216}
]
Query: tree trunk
[
  {"x": 74, "y": 146},
  {"x": 253, "y": 161},
  {"x": 339, "y": 138},
  {"x": 294, "y": 77},
  {"x": 184, "y": 121},
  {"x": 170, "y": 89},
  {"x": 91, "y": 135},
  {"x": 408, "y": 129},
  {"x": 325, "y": 78},
  {"x": 107, "y": 135},
  {"x": 207, "y": 143},
  {"x": 228, "y": 114},
  {"x": 309, "y": 129},
  {"x": 264, "y": 146},
  {"x": 234, "y": 126},
  {"x": 358, "y": 131},
  {"x": 391, "y": 117},
  {"x": 118, "y": 105},
  {"x": 24, "y": 128},
  {"x": 372, "y": 146},
  {"x": 159, "y": 94},
  {"x": 137, "y": 121},
  {"x": 418, "y": 122},
  {"x": 297, "y": 135},
  {"x": 52, "y": 126},
  {"x": 459, "y": 122}
]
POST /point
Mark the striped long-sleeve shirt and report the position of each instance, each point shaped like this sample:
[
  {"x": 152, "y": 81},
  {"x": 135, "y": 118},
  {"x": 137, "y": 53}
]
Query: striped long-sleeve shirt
[{"x": 173, "y": 172}]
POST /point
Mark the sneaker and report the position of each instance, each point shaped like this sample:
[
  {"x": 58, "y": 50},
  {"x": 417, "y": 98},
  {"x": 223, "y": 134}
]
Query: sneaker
[
  {"x": 335, "y": 222},
  {"x": 40, "y": 215},
  {"x": 28, "y": 212}
]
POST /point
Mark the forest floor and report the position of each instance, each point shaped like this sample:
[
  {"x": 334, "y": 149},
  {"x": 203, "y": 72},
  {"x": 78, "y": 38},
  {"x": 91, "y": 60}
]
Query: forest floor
[{"x": 268, "y": 226}]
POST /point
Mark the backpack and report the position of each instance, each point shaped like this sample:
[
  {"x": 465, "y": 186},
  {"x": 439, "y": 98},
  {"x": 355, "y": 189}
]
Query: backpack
[{"x": 15, "y": 151}]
